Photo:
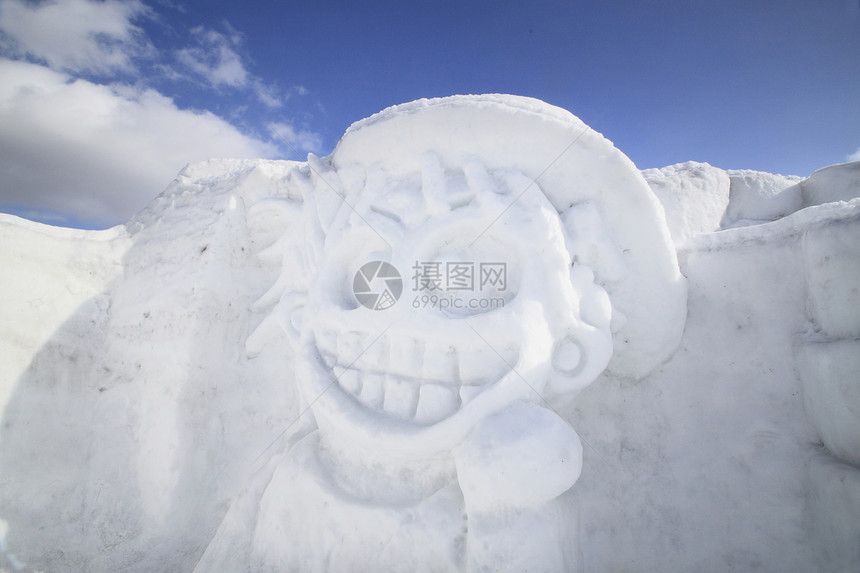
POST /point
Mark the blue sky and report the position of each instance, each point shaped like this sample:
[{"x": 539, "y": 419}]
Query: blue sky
[{"x": 101, "y": 103}]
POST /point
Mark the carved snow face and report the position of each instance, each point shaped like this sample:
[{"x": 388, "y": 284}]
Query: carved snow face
[{"x": 412, "y": 380}]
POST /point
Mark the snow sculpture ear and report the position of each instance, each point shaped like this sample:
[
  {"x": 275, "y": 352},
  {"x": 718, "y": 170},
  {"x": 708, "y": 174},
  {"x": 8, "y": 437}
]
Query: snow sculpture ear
[{"x": 582, "y": 352}]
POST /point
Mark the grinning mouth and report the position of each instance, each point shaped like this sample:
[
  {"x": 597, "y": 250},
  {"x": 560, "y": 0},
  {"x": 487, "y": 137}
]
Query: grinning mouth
[{"x": 408, "y": 378}]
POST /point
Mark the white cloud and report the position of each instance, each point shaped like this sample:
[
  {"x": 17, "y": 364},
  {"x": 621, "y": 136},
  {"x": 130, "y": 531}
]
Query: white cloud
[
  {"x": 80, "y": 36},
  {"x": 297, "y": 140},
  {"x": 267, "y": 95},
  {"x": 76, "y": 35},
  {"x": 100, "y": 153},
  {"x": 854, "y": 156},
  {"x": 214, "y": 58}
]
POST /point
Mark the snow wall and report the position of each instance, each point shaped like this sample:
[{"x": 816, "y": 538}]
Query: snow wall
[{"x": 149, "y": 373}]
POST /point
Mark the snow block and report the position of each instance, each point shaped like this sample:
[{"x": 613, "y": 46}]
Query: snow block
[
  {"x": 831, "y": 394},
  {"x": 832, "y": 263},
  {"x": 834, "y": 183},
  {"x": 757, "y": 196},
  {"x": 46, "y": 273},
  {"x": 834, "y": 504},
  {"x": 694, "y": 196}
]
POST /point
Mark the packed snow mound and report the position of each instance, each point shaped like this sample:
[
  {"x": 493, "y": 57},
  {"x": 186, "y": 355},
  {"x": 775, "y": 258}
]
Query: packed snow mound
[
  {"x": 832, "y": 394},
  {"x": 758, "y": 197},
  {"x": 55, "y": 271},
  {"x": 694, "y": 195},
  {"x": 699, "y": 199},
  {"x": 139, "y": 396},
  {"x": 833, "y": 278},
  {"x": 155, "y": 416},
  {"x": 834, "y": 183}
]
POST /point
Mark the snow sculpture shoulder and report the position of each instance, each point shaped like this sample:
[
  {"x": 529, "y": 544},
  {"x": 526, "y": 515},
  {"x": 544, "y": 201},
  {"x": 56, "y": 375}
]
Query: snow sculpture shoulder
[{"x": 460, "y": 265}]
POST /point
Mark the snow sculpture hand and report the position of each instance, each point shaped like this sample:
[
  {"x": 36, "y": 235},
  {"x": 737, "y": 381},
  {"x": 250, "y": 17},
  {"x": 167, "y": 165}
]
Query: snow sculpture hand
[
  {"x": 510, "y": 468},
  {"x": 522, "y": 457}
]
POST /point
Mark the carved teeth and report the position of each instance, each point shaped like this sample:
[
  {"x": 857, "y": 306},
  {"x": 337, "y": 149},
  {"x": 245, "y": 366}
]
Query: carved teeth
[
  {"x": 374, "y": 357},
  {"x": 401, "y": 397},
  {"x": 350, "y": 381},
  {"x": 436, "y": 402},
  {"x": 350, "y": 345},
  {"x": 440, "y": 363},
  {"x": 372, "y": 390},
  {"x": 483, "y": 366},
  {"x": 473, "y": 366},
  {"x": 469, "y": 392},
  {"x": 406, "y": 355},
  {"x": 409, "y": 379}
]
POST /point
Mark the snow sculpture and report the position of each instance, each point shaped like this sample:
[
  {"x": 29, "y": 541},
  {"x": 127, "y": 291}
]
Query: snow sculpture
[
  {"x": 434, "y": 442},
  {"x": 132, "y": 420}
]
